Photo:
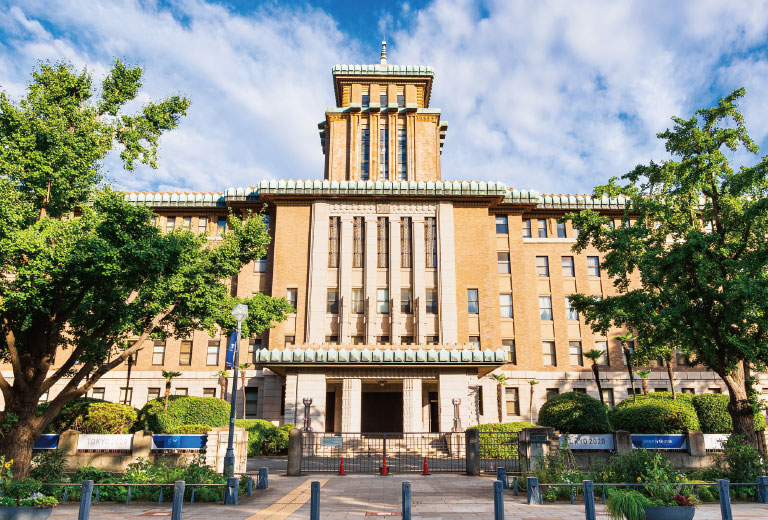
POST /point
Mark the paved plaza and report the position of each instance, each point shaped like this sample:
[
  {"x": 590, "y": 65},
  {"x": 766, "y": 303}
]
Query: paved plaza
[{"x": 435, "y": 497}]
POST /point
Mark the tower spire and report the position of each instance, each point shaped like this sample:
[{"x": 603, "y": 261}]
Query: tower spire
[{"x": 384, "y": 52}]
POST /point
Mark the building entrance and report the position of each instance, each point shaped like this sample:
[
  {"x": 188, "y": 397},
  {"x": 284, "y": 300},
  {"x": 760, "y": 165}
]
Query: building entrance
[{"x": 382, "y": 412}]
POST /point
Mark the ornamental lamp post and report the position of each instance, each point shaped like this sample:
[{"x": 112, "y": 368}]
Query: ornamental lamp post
[
  {"x": 456, "y": 417},
  {"x": 239, "y": 312},
  {"x": 307, "y": 417}
]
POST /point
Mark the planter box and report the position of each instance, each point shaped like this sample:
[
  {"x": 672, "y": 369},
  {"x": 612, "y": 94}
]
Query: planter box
[
  {"x": 25, "y": 513},
  {"x": 669, "y": 513}
]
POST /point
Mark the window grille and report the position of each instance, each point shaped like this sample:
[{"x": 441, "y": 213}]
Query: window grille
[
  {"x": 382, "y": 240},
  {"x": 333, "y": 241},
  {"x": 365, "y": 153},
  {"x": 402, "y": 156},
  {"x": 384, "y": 153},
  {"x": 430, "y": 237},
  {"x": 358, "y": 242},
  {"x": 405, "y": 242}
]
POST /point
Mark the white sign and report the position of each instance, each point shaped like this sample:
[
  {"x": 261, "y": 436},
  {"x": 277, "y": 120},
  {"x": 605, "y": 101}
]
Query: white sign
[
  {"x": 715, "y": 441},
  {"x": 89, "y": 441},
  {"x": 591, "y": 441}
]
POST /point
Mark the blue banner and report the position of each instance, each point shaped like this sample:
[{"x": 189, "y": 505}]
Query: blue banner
[
  {"x": 660, "y": 442},
  {"x": 47, "y": 441},
  {"x": 179, "y": 442},
  {"x": 230, "y": 361}
]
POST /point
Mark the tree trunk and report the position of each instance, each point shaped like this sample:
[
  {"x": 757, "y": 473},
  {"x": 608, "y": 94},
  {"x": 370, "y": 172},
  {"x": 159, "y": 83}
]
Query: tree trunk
[
  {"x": 742, "y": 413},
  {"x": 671, "y": 377},
  {"x": 18, "y": 442},
  {"x": 596, "y": 370},
  {"x": 498, "y": 402},
  {"x": 223, "y": 385},
  {"x": 167, "y": 393},
  {"x": 645, "y": 385}
]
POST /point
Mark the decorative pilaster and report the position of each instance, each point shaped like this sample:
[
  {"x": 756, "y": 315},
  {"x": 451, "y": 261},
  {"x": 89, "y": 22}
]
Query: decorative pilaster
[
  {"x": 345, "y": 281},
  {"x": 351, "y": 411},
  {"x": 446, "y": 262},
  {"x": 318, "y": 273},
  {"x": 371, "y": 267},
  {"x": 396, "y": 319},
  {"x": 419, "y": 292},
  {"x": 412, "y": 420}
]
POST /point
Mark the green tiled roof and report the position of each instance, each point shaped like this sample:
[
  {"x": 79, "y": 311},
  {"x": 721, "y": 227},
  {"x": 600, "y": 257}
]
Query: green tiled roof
[
  {"x": 383, "y": 70},
  {"x": 379, "y": 356}
]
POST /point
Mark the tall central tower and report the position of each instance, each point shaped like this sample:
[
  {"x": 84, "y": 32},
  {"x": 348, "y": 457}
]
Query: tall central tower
[{"x": 382, "y": 128}]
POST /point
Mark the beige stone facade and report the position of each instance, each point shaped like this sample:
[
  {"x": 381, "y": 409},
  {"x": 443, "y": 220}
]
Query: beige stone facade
[{"x": 408, "y": 290}]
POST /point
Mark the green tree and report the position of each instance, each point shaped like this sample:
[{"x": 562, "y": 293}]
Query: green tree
[
  {"x": 697, "y": 239},
  {"x": 501, "y": 381},
  {"x": 168, "y": 377},
  {"x": 594, "y": 355},
  {"x": 222, "y": 375},
  {"x": 83, "y": 270},
  {"x": 644, "y": 379},
  {"x": 532, "y": 383}
]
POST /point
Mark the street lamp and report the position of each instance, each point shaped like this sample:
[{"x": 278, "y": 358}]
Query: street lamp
[
  {"x": 239, "y": 312},
  {"x": 307, "y": 417},
  {"x": 456, "y": 418}
]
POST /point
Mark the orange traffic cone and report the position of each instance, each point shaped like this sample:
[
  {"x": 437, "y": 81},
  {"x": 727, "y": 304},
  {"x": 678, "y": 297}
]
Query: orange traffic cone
[
  {"x": 341, "y": 468},
  {"x": 384, "y": 472},
  {"x": 426, "y": 468}
]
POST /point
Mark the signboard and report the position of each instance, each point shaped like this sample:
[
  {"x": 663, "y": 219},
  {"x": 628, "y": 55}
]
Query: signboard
[
  {"x": 660, "y": 442},
  {"x": 89, "y": 441},
  {"x": 332, "y": 442},
  {"x": 179, "y": 442},
  {"x": 47, "y": 441},
  {"x": 715, "y": 441},
  {"x": 538, "y": 438},
  {"x": 591, "y": 441}
]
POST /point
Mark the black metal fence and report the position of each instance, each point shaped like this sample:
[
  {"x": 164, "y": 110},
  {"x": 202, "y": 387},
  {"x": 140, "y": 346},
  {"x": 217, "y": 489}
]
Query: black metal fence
[{"x": 499, "y": 450}]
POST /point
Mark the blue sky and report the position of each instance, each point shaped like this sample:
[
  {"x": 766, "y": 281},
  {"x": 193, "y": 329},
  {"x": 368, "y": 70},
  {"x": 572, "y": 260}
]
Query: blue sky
[{"x": 556, "y": 96}]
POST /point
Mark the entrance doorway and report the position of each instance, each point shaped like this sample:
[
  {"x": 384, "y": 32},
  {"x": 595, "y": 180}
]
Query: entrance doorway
[
  {"x": 382, "y": 412},
  {"x": 434, "y": 413}
]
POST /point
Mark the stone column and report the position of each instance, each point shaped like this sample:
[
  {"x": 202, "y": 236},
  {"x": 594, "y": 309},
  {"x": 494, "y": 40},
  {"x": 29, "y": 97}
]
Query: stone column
[
  {"x": 453, "y": 386},
  {"x": 371, "y": 263},
  {"x": 345, "y": 281},
  {"x": 395, "y": 319},
  {"x": 419, "y": 292},
  {"x": 412, "y": 420},
  {"x": 312, "y": 385},
  {"x": 351, "y": 409},
  {"x": 318, "y": 271},
  {"x": 447, "y": 273}
]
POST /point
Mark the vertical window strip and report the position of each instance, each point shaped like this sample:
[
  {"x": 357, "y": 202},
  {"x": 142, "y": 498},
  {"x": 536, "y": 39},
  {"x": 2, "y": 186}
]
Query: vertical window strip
[
  {"x": 405, "y": 242},
  {"x": 382, "y": 227},
  {"x": 365, "y": 153},
  {"x": 333, "y": 241},
  {"x": 430, "y": 237},
  {"x": 357, "y": 242},
  {"x": 402, "y": 155},
  {"x": 384, "y": 152}
]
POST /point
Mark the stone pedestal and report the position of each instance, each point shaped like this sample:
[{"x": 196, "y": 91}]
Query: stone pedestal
[
  {"x": 142, "y": 444},
  {"x": 535, "y": 444},
  {"x": 216, "y": 448},
  {"x": 696, "y": 447},
  {"x": 622, "y": 442}
]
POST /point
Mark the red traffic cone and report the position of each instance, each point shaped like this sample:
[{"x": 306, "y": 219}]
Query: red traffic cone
[
  {"x": 341, "y": 468},
  {"x": 426, "y": 468},
  {"x": 384, "y": 472}
]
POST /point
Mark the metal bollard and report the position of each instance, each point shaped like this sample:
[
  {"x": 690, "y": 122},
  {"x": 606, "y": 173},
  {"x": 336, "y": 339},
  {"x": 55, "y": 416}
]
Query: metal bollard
[
  {"x": 85, "y": 500},
  {"x": 128, "y": 496},
  {"x": 573, "y": 498},
  {"x": 314, "y": 501},
  {"x": 501, "y": 474},
  {"x": 178, "y": 500},
  {"x": 602, "y": 488},
  {"x": 723, "y": 488},
  {"x": 66, "y": 495},
  {"x": 263, "y": 482},
  {"x": 762, "y": 489},
  {"x": 250, "y": 486},
  {"x": 589, "y": 500},
  {"x": 96, "y": 497},
  {"x": 515, "y": 486},
  {"x": 230, "y": 493},
  {"x": 406, "y": 500},
  {"x": 192, "y": 496},
  {"x": 160, "y": 498},
  {"x": 498, "y": 500},
  {"x": 534, "y": 492}
]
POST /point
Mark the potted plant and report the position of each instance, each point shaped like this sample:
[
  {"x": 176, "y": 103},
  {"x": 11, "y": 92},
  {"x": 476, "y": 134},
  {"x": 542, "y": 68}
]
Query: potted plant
[{"x": 22, "y": 499}]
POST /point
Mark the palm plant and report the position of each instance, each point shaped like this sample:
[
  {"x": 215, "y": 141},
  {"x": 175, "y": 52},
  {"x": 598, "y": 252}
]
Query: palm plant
[
  {"x": 594, "y": 355},
  {"x": 625, "y": 339},
  {"x": 223, "y": 375},
  {"x": 501, "y": 381},
  {"x": 168, "y": 376},
  {"x": 242, "y": 367},
  {"x": 532, "y": 383},
  {"x": 644, "y": 377}
]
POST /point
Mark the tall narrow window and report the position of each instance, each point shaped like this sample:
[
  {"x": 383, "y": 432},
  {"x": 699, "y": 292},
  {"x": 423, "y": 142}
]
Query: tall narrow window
[
  {"x": 509, "y": 346},
  {"x": 212, "y": 355},
  {"x": 593, "y": 266},
  {"x": 334, "y": 223},
  {"x": 512, "y": 399},
  {"x": 502, "y": 259},
  {"x": 382, "y": 240},
  {"x": 473, "y": 303},
  {"x": 126, "y": 395},
  {"x": 383, "y": 100},
  {"x": 365, "y": 153},
  {"x": 541, "y": 226},
  {"x": 186, "y": 223},
  {"x": 158, "y": 352},
  {"x": 545, "y": 307},
  {"x": 366, "y": 101},
  {"x": 431, "y": 301},
  {"x": 254, "y": 346},
  {"x": 608, "y": 397},
  {"x": 502, "y": 227},
  {"x": 202, "y": 225},
  {"x": 383, "y": 152},
  {"x": 402, "y": 156},
  {"x": 430, "y": 237},
  {"x": 406, "y": 306},
  {"x": 505, "y": 304},
  {"x": 332, "y": 303},
  {"x": 185, "y": 354},
  {"x": 98, "y": 393},
  {"x": 170, "y": 224},
  {"x": 221, "y": 226},
  {"x": 574, "y": 351},
  {"x": 570, "y": 312},
  {"x": 358, "y": 242},
  {"x": 382, "y": 301},
  {"x": 602, "y": 346},
  {"x": 357, "y": 301},
  {"x": 550, "y": 356},
  {"x": 292, "y": 295},
  {"x": 542, "y": 266},
  {"x": 567, "y": 262},
  {"x": 561, "y": 230},
  {"x": 527, "y": 228},
  {"x": 405, "y": 242}
]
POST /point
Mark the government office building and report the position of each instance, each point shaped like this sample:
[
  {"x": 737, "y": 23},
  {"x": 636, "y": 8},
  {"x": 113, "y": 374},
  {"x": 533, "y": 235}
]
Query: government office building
[{"x": 409, "y": 290}]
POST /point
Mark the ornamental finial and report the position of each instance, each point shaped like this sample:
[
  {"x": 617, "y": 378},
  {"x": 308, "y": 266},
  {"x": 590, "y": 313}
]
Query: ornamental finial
[{"x": 384, "y": 52}]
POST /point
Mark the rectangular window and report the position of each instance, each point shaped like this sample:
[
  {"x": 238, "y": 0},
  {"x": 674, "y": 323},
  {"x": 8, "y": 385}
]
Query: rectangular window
[
  {"x": 289, "y": 341},
  {"x": 402, "y": 155},
  {"x": 357, "y": 301},
  {"x": 383, "y": 100},
  {"x": 382, "y": 340},
  {"x": 332, "y": 302},
  {"x": 334, "y": 231},
  {"x": 202, "y": 225},
  {"x": 184, "y": 392},
  {"x": 567, "y": 263},
  {"x": 254, "y": 346},
  {"x": 502, "y": 261},
  {"x": 212, "y": 355},
  {"x": 251, "y": 403},
  {"x": 682, "y": 359},
  {"x": 358, "y": 243},
  {"x": 170, "y": 224},
  {"x": 400, "y": 100},
  {"x": 603, "y": 360},
  {"x": 527, "y": 228},
  {"x": 663, "y": 389},
  {"x": 406, "y": 306},
  {"x": 561, "y": 230},
  {"x": 430, "y": 237},
  {"x": 608, "y": 397},
  {"x": 209, "y": 392},
  {"x": 570, "y": 312},
  {"x": 185, "y": 353},
  {"x": 541, "y": 227},
  {"x": 545, "y": 307},
  {"x": 552, "y": 392},
  {"x": 505, "y": 305},
  {"x": 292, "y": 296},
  {"x": 365, "y": 153},
  {"x": 715, "y": 391},
  {"x": 580, "y": 390},
  {"x": 383, "y": 152},
  {"x": 638, "y": 391},
  {"x": 473, "y": 303},
  {"x": 688, "y": 390},
  {"x": 550, "y": 355},
  {"x": 153, "y": 393},
  {"x": 366, "y": 101},
  {"x": 631, "y": 345},
  {"x": 405, "y": 242},
  {"x": 574, "y": 351},
  {"x": 153, "y": 221},
  {"x": 542, "y": 266},
  {"x": 186, "y": 223},
  {"x": 480, "y": 400},
  {"x": 509, "y": 346},
  {"x": 432, "y": 340},
  {"x": 260, "y": 265},
  {"x": 266, "y": 220},
  {"x": 512, "y": 401},
  {"x": 382, "y": 241},
  {"x": 332, "y": 340},
  {"x": 502, "y": 227},
  {"x": 221, "y": 226},
  {"x": 358, "y": 340},
  {"x": 382, "y": 301},
  {"x": 98, "y": 393},
  {"x": 431, "y": 301},
  {"x": 593, "y": 266},
  {"x": 406, "y": 340},
  {"x": 126, "y": 395},
  {"x": 158, "y": 353},
  {"x": 474, "y": 341}
]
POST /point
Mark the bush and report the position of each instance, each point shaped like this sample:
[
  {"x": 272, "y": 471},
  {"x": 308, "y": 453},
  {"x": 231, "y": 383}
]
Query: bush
[
  {"x": 575, "y": 412},
  {"x": 186, "y": 429},
  {"x": 182, "y": 410},
  {"x": 712, "y": 411},
  {"x": 49, "y": 466},
  {"x": 105, "y": 418},
  {"x": 499, "y": 446},
  {"x": 629, "y": 467},
  {"x": 264, "y": 438},
  {"x": 655, "y": 413}
]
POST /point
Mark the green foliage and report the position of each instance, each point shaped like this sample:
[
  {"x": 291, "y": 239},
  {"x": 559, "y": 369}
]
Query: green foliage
[
  {"x": 114, "y": 418},
  {"x": 20, "y": 489},
  {"x": 574, "y": 412},
  {"x": 72, "y": 413},
  {"x": 502, "y": 444},
  {"x": 712, "y": 411},
  {"x": 45, "y": 502},
  {"x": 558, "y": 466},
  {"x": 192, "y": 429},
  {"x": 49, "y": 466},
  {"x": 183, "y": 410},
  {"x": 742, "y": 462},
  {"x": 626, "y": 504},
  {"x": 660, "y": 483},
  {"x": 627, "y": 468},
  {"x": 655, "y": 413},
  {"x": 264, "y": 438}
]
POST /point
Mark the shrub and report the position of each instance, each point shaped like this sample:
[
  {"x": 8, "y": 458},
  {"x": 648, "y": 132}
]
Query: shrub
[
  {"x": 182, "y": 410},
  {"x": 112, "y": 418},
  {"x": 264, "y": 438},
  {"x": 192, "y": 429},
  {"x": 49, "y": 466},
  {"x": 72, "y": 412},
  {"x": 655, "y": 413},
  {"x": 574, "y": 412},
  {"x": 629, "y": 467},
  {"x": 21, "y": 489},
  {"x": 712, "y": 411},
  {"x": 499, "y": 446}
]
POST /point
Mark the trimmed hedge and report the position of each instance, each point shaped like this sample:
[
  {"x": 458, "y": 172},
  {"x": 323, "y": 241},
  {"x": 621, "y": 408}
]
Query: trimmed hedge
[
  {"x": 655, "y": 413},
  {"x": 264, "y": 438},
  {"x": 498, "y": 445},
  {"x": 575, "y": 412},
  {"x": 712, "y": 411},
  {"x": 192, "y": 429},
  {"x": 88, "y": 415},
  {"x": 210, "y": 411}
]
